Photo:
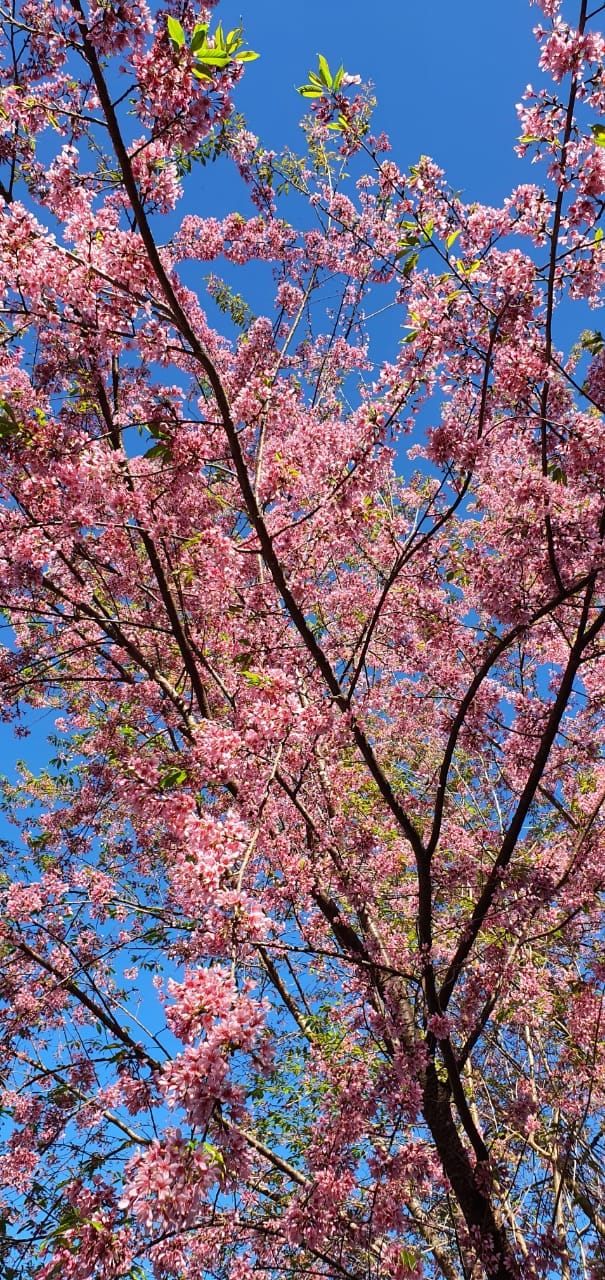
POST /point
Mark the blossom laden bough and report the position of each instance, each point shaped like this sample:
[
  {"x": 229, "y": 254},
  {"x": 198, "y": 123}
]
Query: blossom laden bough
[{"x": 302, "y": 921}]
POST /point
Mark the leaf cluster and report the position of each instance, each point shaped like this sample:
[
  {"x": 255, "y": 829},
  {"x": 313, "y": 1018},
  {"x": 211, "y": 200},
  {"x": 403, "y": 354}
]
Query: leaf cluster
[{"x": 210, "y": 53}]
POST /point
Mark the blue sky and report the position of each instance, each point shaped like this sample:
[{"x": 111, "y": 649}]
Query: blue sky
[{"x": 447, "y": 76}]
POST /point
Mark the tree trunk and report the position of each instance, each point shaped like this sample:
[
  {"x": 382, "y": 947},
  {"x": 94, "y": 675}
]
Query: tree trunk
[{"x": 477, "y": 1209}]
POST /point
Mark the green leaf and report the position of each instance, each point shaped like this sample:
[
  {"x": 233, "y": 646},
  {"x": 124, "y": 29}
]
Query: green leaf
[
  {"x": 316, "y": 84},
  {"x": 160, "y": 450},
  {"x": 175, "y": 31},
  {"x": 200, "y": 74},
  {"x": 404, "y": 245},
  {"x": 324, "y": 71},
  {"x": 593, "y": 341},
  {"x": 127, "y": 731},
  {"x": 598, "y": 133},
  {"x": 173, "y": 777},
  {"x": 220, "y": 52},
  {"x": 199, "y": 38},
  {"x": 231, "y": 304},
  {"x": 556, "y": 473},
  {"x": 338, "y": 79},
  {"x": 212, "y": 58},
  {"x": 215, "y": 1156},
  {"x": 451, "y": 239},
  {"x": 8, "y": 422},
  {"x": 252, "y": 677},
  {"x": 409, "y": 265}
]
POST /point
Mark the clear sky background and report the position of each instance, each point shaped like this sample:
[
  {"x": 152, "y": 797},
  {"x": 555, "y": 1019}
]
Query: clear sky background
[{"x": 447, "y": 75}]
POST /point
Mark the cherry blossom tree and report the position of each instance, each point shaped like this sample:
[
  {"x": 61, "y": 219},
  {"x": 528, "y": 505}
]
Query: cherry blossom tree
[{"x": 302, "y": 928}]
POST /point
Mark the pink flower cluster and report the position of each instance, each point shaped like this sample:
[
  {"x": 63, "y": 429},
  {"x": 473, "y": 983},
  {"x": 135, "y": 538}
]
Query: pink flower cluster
[{"x": 207, "y": 1003}]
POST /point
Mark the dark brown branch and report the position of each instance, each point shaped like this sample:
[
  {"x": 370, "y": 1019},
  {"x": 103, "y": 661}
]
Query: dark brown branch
[
  {"x": 489, "y": 662},
  {"x": 160, "y": 577},
  {"x": 106, "y": 1019},
  {"x": 482, "y": 906}
]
